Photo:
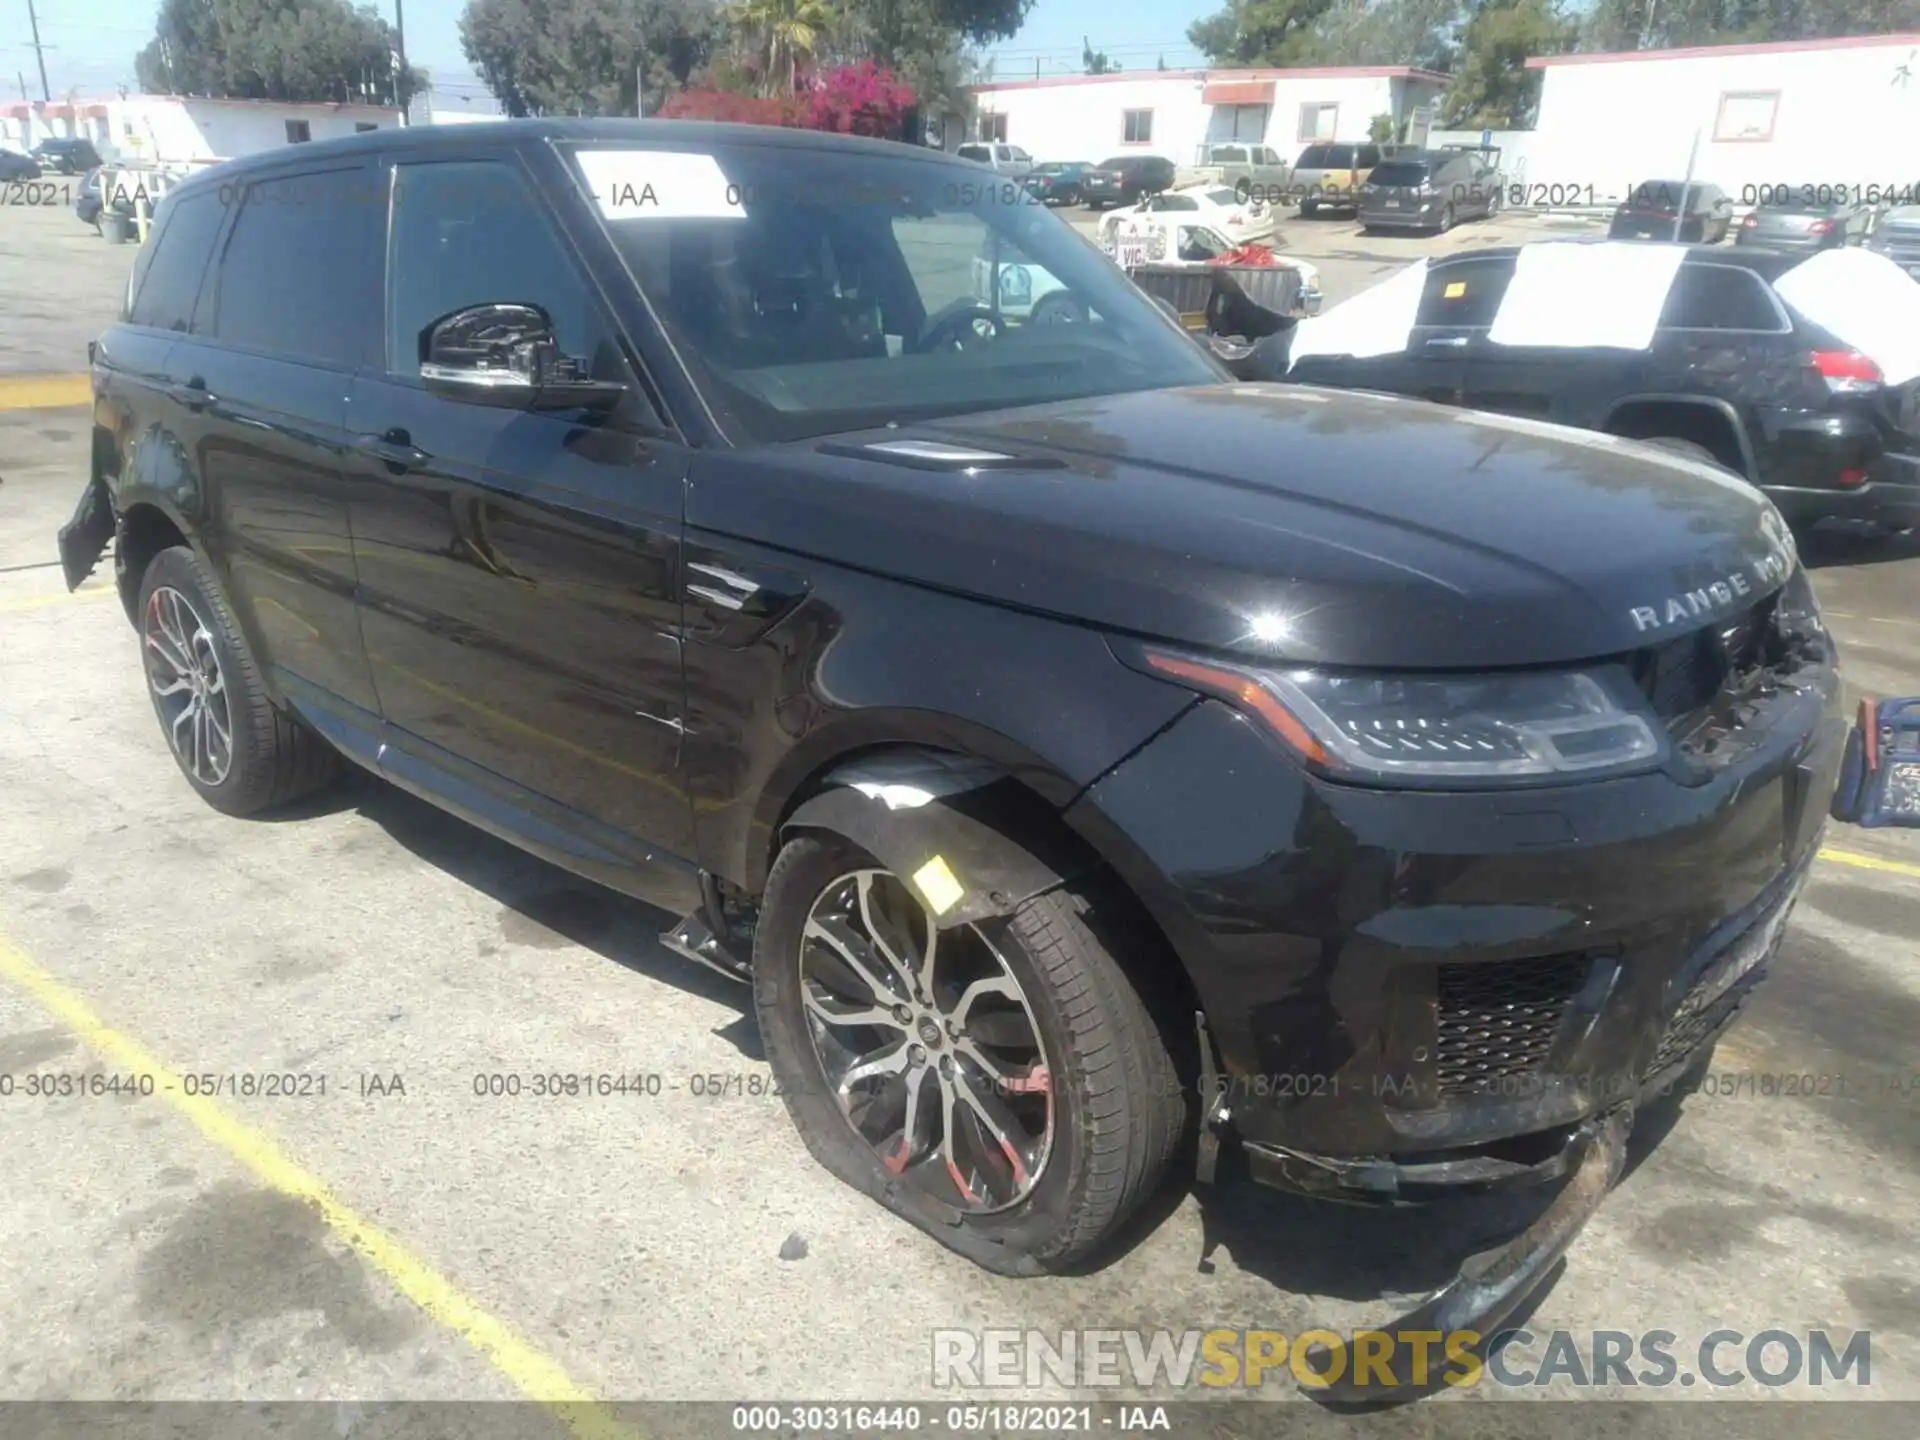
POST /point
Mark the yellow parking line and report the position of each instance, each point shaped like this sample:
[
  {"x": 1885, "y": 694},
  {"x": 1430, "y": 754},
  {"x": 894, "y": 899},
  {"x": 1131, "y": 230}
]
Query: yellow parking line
[
  {"x": 41, "y": 602},
  {"x": 1871, "y": 862},
  {"x": 44, "y": 392},
  {"x": 535, "y": 1375}
]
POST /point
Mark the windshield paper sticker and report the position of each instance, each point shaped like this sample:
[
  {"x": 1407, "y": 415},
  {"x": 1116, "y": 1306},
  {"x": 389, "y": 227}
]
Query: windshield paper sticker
[
  {"x": 659, "y": 185},
  {"x": 1607, "y": 295},
  {"x": 1866, "y": 300}
]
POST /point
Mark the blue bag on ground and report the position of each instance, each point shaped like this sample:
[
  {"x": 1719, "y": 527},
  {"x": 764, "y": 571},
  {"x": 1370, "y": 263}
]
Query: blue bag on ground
[{"x": 1880, "y": 775}]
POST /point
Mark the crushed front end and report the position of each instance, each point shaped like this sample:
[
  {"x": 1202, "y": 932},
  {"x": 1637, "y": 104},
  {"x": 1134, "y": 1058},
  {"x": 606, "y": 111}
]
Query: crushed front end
[{"x": 1410, "y": 992}]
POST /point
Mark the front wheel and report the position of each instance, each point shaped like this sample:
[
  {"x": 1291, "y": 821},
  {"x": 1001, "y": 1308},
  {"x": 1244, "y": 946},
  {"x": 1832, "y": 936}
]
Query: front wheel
[
  {"x": 1446, "y": 219},
  {"x": 1000, "y": 1084}
]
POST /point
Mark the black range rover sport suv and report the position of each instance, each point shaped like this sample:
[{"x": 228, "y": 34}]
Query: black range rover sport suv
[{"x": 1075, "y": 750}]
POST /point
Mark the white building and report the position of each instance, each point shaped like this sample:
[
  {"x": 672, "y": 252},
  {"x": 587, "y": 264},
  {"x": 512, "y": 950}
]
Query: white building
[
  {"x": 177, "y": 130},
  {"x": 1815, "y": 112},
  {"x": 1176, "y": 113}
]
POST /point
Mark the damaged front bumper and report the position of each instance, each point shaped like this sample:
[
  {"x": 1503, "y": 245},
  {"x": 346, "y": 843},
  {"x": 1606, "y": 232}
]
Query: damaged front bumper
[{"x": 84, "y": 538}]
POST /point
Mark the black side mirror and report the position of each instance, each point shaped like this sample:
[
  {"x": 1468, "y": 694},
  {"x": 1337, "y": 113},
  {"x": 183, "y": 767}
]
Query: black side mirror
[{"x": 507, "y": 355}]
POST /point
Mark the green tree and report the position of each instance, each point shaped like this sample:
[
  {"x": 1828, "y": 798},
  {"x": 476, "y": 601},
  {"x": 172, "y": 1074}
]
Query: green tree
[
  {"x": 782, "y": 36},
  {"x": 290, "y": 50},
  {"x": 1656, "y": 24},
  {"x": 587, "y": 57},
  {"x": 1095, "y": 61},
  {"x": 1389, "y": 32},
  {"x": 1492, "y": 87},
  {"x": 1258, "y": 32}
]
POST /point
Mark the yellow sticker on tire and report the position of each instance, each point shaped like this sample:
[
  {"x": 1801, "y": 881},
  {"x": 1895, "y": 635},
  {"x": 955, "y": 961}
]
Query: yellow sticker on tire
[{"x": 937, "y": 885}]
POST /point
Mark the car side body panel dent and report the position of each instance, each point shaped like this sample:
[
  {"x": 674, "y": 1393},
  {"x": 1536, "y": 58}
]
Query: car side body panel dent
[{"x": 867, "y": 664}]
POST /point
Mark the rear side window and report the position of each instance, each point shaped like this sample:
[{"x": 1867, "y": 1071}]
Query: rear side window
[
  {"x": 166, "y": 278},
  {"x": 1720, "y": 297},
  {"x": 1465, "y": 294},
  {"x": 1228, "y": 155},
  {"x": 1327, "y": 157},
  {"x": 972, "y": 152},
  {"x": 297, "y": 277}
]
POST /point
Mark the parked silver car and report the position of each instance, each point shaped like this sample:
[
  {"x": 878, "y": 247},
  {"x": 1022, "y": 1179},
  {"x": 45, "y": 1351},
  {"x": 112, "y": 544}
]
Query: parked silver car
[
  {"x": 1008, "y": 160},
  {"x": 1897, "y": 237},
  {"x": 1805, "y": 225}
]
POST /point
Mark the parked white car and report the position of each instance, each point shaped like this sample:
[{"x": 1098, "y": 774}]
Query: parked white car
[{"x": 1218, "y": 207}]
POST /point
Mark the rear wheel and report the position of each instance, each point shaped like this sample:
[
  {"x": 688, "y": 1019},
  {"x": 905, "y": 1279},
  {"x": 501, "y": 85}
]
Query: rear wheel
[
  {"x": 1000, "y": 1084},
  {"x": 240, "y": 752},
  {"x": 1446, "y": 218}
]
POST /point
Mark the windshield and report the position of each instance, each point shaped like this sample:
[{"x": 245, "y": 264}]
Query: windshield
[
  {"x": 1399, "y": 172},
  {"x": 813, "y": 291}
]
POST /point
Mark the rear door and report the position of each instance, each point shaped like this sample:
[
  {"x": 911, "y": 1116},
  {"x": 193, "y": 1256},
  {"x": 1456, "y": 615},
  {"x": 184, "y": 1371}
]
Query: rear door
[
  {"x": 1568, "y": 385},
  {"x": 519, "y": 568},
  {"x": 130, "y": 383},
  {"x": 260, "y": 389}
]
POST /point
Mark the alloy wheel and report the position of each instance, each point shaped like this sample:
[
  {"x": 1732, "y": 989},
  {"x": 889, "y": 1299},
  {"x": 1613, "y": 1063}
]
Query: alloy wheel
[
  {"x": 927, "y": 1042},
  {"x": 189, "y": 687}
]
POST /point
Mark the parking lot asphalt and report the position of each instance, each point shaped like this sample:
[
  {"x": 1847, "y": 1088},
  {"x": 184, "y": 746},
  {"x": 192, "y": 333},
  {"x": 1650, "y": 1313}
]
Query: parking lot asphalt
[{"x": 404, "y": 1235}]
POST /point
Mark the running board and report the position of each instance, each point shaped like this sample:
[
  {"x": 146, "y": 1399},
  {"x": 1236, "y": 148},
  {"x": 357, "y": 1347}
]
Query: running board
[{"x": 694, "y": 939}]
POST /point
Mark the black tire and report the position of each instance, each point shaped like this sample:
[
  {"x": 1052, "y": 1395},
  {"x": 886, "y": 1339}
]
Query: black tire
[
  {"x": 1119, "y": 1110},
  {"x": 1059, "y": 307},
  {"x": 1309, "y": 208},
  {"x": 274, "y": 759},
  {"x": 1446, "y": 218}
]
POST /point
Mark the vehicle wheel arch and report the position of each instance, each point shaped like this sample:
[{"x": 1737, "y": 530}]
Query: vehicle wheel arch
[
  {"x": 1036, "y": 819},
  {"x": 1705, "y": 419},
  {"x": 145, "y": 525}
]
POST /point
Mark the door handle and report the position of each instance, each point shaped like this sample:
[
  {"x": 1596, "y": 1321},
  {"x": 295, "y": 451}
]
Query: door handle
[
  {"x": 1446, "y": 343},
  {"x": 193, "y": 394},
  {"x": 392, "y": 447}
]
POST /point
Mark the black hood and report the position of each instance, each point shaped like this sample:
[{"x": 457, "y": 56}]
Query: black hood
[{"x": 1358, "y": 529}]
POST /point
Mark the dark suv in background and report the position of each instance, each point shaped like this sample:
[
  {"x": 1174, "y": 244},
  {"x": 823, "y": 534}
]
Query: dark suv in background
[
  {"x": 1428, "y": 190},
  {"x": 1126, "y": 179},
  {"x": 1734, "y": 376},
  {"x": 1073, "y": 750},
  {"x": 69, "y": 156}
]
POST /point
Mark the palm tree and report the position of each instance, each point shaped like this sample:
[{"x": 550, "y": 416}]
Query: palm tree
[{"x": 787, "y": 31}]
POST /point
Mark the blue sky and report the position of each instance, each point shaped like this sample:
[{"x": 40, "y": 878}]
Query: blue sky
[{"x": 91, "y": 43}]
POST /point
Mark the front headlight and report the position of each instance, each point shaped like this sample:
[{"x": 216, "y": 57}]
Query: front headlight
[{"x": 1440, "y": 730}]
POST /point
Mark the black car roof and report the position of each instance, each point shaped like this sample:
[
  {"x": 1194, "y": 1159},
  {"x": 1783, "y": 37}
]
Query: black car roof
[{"x": 429, "y": 139}]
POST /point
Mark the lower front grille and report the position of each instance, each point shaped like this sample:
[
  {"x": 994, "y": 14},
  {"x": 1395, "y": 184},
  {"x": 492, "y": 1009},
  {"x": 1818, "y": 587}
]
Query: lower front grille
[{"x": 1499, "y": 1019}]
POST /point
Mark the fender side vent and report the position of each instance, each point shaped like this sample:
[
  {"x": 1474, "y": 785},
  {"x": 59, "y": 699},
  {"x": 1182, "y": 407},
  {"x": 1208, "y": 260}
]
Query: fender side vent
[{"x": 939, "y": 455}]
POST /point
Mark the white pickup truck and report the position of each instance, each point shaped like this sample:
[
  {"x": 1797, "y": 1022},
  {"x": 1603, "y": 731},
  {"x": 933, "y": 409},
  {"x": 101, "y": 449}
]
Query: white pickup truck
[{"x": 1257, "y": 166}]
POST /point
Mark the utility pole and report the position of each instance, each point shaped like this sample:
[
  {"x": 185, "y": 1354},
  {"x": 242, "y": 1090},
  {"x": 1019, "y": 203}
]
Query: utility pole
[
  {"x": 640, "y": 88},
  {"x": 39, "y": 53},
  {"x": 21, "y": 76},
  {"x": 400, "y": 43}
]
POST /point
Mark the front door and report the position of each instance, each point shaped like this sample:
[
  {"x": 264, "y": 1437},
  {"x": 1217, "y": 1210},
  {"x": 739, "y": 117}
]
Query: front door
[{"x": 518, "y": 568}]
